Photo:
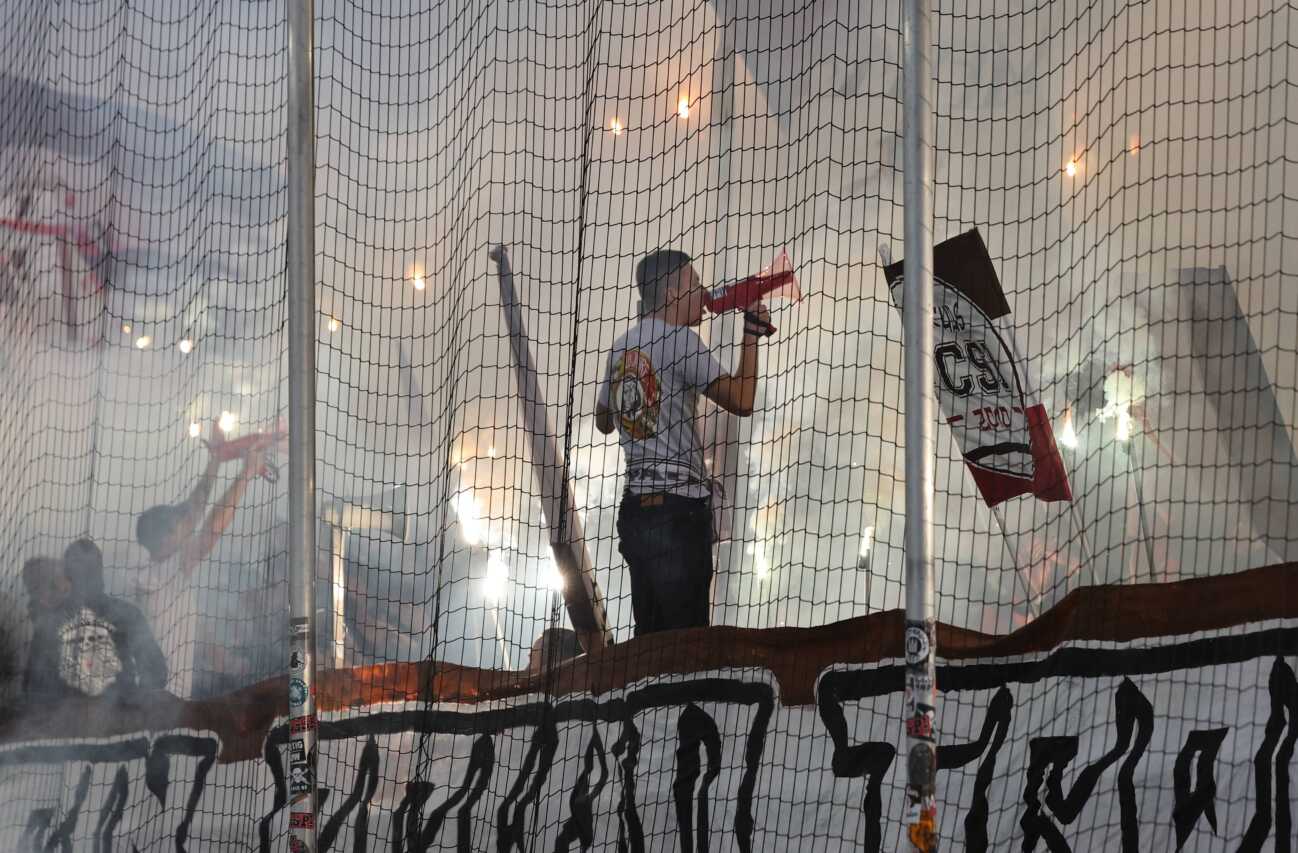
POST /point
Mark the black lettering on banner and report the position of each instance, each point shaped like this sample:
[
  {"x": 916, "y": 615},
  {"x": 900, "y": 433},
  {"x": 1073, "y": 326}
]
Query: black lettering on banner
[
  {"x": 111, "y": 813},
  {"x": 952, "y": 351},
  {"x": 630, "y": 832},
  {"x": 420, "y": 834},
  {"x": 1132, "y": 711},
  {"x": 989, "y": 372},
  {"x": 62, "y": 837},
  {"x": 1284, "y": 715},
  {"x": 367, "y": 779},
  {"x": 694, "y": 729},
  {"x": 996, "y": 725},
  {"x": 203, "y": 748},
  {"x": 1190, "y": 805},
  {"x": 270, "y": 754},
  {"x": 870, "y": 759},
  {"x": 580, "y": 825},
  {"x": 511, "y": 832}
]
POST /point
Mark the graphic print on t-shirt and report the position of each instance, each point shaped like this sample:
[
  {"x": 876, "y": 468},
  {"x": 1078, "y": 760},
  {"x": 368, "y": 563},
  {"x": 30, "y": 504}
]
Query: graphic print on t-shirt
[
  {"x": 636, "y": 394},
  {"x": 88, "y": 660}
]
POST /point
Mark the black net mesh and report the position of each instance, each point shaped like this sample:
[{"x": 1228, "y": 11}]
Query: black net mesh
[{"x": 1128, "y": 167}]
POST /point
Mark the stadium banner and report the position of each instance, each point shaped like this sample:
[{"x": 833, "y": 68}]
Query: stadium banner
[
  {"x": 1004, "y": 433},
  {"x": 1098, "y": 727}
]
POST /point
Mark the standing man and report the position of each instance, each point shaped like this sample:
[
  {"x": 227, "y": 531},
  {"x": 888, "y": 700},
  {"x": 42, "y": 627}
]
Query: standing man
[{"x": 649, "y": 394}]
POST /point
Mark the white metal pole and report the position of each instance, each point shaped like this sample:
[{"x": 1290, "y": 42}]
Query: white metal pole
[
  {"x": 301, "y": 426},
  {"x": 917, "y": 311}
]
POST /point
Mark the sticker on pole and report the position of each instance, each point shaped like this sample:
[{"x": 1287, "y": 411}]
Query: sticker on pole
[{"x": 917, "y": 644}]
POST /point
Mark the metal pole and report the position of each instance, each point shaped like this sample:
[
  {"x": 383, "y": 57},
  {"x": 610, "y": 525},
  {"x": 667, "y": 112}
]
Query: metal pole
[
  {"x": 301, "y": 426},
  {"x": 917, "y": 311}
]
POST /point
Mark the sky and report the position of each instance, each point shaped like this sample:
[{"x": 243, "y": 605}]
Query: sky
[{"x": 444, "y": 130}]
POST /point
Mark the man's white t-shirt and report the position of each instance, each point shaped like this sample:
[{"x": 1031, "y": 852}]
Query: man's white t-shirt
[{"x": 652, "y": 381}]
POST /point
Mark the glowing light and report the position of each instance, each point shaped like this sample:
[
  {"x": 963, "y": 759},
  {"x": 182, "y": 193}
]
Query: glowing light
[
  {"x": 143, "y": 341},
  {"x": 195, "y": 430},
  {"x": 552, "y": 577},
  {"x": 334, "y": 325},
  {"x": 615, "y": 126},
  {"x": 186, "y": 346},
  {"x": 1070, "y": 168},
  {"x": 491, "y": 451},
  {"x": 1068, "y": 435},
  {"x": 761, "y": 566},
  {"x": 1121, "y": 390},
  {"x": 416, "y": 276},
  {"x": 683, "y": 108},
  {"x": 496, "y": 584},
  {"x": 867, "y": 541},
  {"x": 228, "y": 421},
  {"x": 1133, "y": 148},
  {"x": 418, "y": 282},
  {"x": 126, "y": 328},
  {"x": 470, "y": 516},
  {"x": 1124, "y": 425}
]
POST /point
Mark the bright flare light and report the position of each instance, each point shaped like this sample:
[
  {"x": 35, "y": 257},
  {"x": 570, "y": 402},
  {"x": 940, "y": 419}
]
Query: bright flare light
[
  {"x": 126, "y": 328},
  {"x": 615, "y": 126},
  {"x": 470, "y": 516},
  {"x": 228, "y": 421},
  {"x": 867, "y": 541},
  {"x": 1124, "y": 425},
  {"x": 496, "y": 583},
  {"x": 143, "y": 341},
  {"x": 1068, "y": 435},
  {"x": 491, "y": 451},
  {"x": 1121, "y": 389},
  {"x": 1070, "y": 168},
  {"x": 683, "y": 108},
  {"x": 552, "y": 577},
  {"x": 334, "y": 325},
  {"x": 195, "y": 430},
  {"x": 186, "y": 346}
]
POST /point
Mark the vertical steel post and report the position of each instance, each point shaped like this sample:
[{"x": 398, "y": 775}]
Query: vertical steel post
[
  {"x": 300, "y": 281},
  {"x": 917, "y": 310}
]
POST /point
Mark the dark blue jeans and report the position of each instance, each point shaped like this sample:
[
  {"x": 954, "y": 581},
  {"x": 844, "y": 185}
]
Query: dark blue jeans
[{"x": 666, "y": 541}]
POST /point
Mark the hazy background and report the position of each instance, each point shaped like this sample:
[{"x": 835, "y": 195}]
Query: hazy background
[{"x": 445, "y": 129}]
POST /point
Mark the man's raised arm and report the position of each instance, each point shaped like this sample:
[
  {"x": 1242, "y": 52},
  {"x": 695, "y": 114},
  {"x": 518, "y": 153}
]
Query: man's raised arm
[
  {"x": 737, "y": 394},
  {"x": 222, "y": 514}
]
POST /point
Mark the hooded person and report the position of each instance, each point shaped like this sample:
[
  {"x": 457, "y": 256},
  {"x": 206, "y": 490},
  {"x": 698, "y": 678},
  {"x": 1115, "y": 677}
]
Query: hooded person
[{"x": 86, "y": 642}]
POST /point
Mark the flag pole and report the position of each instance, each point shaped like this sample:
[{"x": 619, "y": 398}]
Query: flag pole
[{"x": 917, "y": 316}]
